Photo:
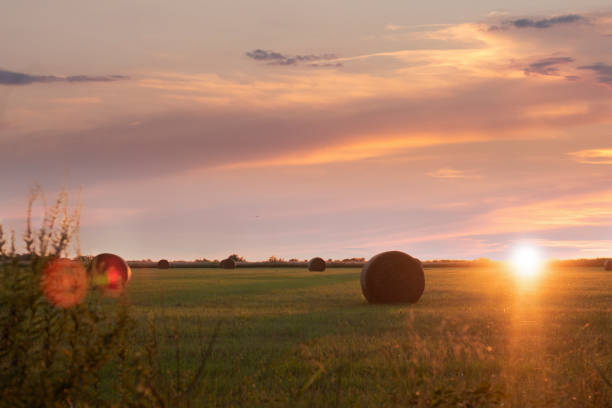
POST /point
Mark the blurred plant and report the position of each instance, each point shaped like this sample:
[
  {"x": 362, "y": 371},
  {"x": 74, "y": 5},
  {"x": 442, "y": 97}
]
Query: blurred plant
[{"x": 60, "y": 343}]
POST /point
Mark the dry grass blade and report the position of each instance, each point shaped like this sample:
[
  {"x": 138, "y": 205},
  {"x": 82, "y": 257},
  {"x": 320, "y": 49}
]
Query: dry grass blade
[
  {"x": 197, "y": 378},
  {"x": 13, "y": 251},
  {"x": 602, "y": 375},
  {"x": 28, "y": 236},
  {"x": 2, "y": 242},
  {"x": 320, "y": 371}
]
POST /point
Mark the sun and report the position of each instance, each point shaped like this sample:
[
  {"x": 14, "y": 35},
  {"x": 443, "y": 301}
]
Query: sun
[{"x": 526, "y": 260}]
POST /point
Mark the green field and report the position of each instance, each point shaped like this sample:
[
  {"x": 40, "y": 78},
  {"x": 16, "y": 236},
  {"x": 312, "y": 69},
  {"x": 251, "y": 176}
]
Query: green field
[{"x": 478, "y": 337}]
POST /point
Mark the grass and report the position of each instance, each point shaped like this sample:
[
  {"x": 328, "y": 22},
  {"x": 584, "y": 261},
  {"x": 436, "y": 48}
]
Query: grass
[{"x": 478, "y": 337}]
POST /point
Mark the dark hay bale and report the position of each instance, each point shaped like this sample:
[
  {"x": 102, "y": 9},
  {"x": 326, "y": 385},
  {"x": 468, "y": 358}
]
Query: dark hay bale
[
  {"x": 392, "y": 277},
  {"x": 110, "y": 273},
  {"x": 316, "y": 264},
  {"x": 608, "y": 265},
  {"x": 163, "y": 264},
  {"x": 228, "y": 263}
]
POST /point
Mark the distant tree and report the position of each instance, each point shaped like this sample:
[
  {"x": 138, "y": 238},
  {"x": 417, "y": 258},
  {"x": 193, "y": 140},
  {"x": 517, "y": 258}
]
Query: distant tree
[
  {"x": 580, "y": 262},
  {"x": 236, "y": 258},
  {"x": 353, "y": 260},
  {"x": 294, "y": 260}
]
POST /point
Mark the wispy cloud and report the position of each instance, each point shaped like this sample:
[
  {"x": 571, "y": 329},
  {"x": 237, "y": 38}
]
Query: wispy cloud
[
  {"x": 355, "y": 150},
  {"x": 540, "y": 23},
  {"x": 546, "y": 22},
  {"x": 603, "y": 72},
  {"x": 574, "y": 211},
  {"x": 394, "y": 27},
  {"x": 547, "y": 66},
  {"x": 78, "y": 100},
  {"x": 589, "y": 210},
  {"x": 593, "y": 156},
  {"x": 91, "y": 215},
  {"x": 276, "y": 58},
  {"x": 449, "y": 173},
  {"x": 414, "y": 27},
  {"x": 18, "y": 78},
  {"x": 604, "y": 246}
]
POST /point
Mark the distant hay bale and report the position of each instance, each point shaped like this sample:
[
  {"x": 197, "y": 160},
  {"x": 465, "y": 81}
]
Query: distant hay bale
[
  {"x": 392, "y": 277},
  {"x": 228, "y": 263},
  {"x": 163, "y": 264},
  {"x": 316, "y": 264},
  {"x": 608, "y": 265}
]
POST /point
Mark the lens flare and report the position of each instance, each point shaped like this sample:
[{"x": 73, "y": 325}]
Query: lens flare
[
  {"x": 526, "y": 261},
  {"x": 110, "y": 274},
  {"x": 64, "y": 282}
]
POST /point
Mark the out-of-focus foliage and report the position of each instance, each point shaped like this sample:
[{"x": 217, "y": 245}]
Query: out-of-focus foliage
[{"x": 67, "y": 354}]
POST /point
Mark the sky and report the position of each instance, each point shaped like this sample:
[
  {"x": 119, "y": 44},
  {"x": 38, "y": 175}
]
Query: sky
[{"x": 198, "y": 129}]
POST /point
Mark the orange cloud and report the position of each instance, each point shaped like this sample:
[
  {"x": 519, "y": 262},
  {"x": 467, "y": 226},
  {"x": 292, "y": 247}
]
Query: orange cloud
[
  {"x": 354, "y": 150},
  {"x": 557, "y": 110},
  {"x": 448, "y": 173},
  {"x": 77, "y": 100},
  {"x": 471, "y": 53},
  {"x": 603, "y": 246},
  {"x": 471, "y": 88},
  {"x": 594, "y": 209},
  {"x": 593, "y": 156}
]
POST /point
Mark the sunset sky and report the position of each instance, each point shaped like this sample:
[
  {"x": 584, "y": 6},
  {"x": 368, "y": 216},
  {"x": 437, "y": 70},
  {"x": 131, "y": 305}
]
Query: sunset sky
[{"x": 339, "y": 129}]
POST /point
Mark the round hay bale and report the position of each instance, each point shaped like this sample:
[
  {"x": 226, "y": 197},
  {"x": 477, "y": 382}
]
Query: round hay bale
[
  {"x": 608, "y": 265},
  {"x": 392, "y": 277},
  {"x": 228, "y": 263},
  {"x": 163, "y": 264},
  {"x": 316, "y": 264},
  {"x": 110, "y": 274}
]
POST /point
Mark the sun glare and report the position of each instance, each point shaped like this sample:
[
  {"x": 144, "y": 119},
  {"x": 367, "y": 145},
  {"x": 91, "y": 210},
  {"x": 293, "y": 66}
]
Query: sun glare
[{"x": 526, "y": 261}]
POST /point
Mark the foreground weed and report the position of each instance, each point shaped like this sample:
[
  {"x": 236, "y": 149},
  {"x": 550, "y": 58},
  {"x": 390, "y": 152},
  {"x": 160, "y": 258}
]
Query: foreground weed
[{"x": 58, "y": 350}]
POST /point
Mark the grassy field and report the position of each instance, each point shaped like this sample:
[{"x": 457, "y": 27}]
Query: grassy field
[{"x": 478, "y": 337}]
